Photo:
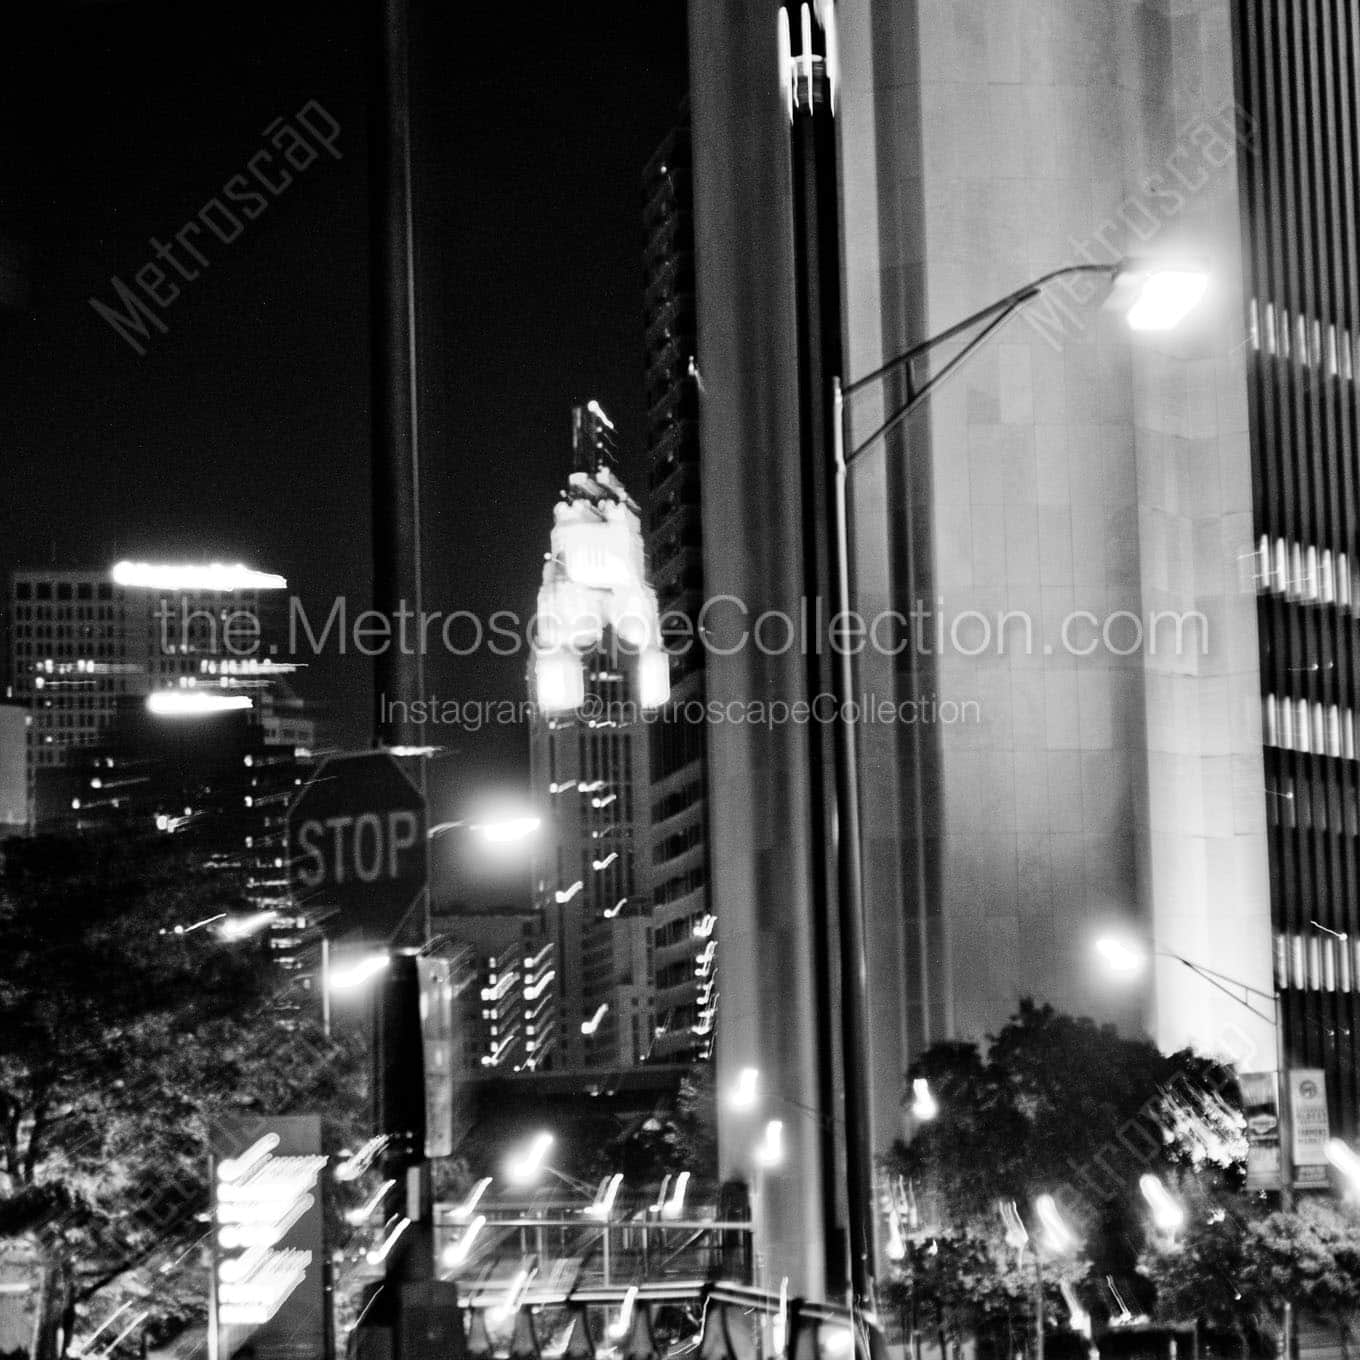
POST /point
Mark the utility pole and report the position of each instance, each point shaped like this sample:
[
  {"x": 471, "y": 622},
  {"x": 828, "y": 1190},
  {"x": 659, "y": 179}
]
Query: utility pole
[
  {"x": 808, "y": 56},
  {"x": 398, "y": 671}
]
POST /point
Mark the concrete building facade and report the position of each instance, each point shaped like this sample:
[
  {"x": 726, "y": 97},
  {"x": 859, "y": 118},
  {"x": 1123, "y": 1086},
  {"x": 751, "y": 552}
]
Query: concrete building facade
[
  {"x": 1052, "y": 768},
  {"x": 597, "y": 670}
]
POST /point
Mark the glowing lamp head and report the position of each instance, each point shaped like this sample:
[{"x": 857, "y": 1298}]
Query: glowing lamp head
[
  {"x": 745, "y": 1089},
  {"x": 770, "y": 1151},
  {"x": 924, "y": 1106},
  {"x": 193, "y": 703},
  {"x": 1157, "y": 296},
  {"x": 1121, "y": 957},
  {"x": 526, "y": 1167},
  {"x": 507, "y": 830}
]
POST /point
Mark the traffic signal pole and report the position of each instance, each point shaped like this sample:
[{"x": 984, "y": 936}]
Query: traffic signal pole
[{"x": 398, "y": 670}]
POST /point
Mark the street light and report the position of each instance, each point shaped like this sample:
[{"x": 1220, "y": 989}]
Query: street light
[
  {"x": 1167, "y": 1214},
  {"x": 355, "y": 975},
  {"x": 924, "y": 1106},
  {"x": 497, "y": 831},
  {"x": 1156, "y": 297},
  {"x": 525, "y": 1168},
  {"x": 1128, "y": 958}
]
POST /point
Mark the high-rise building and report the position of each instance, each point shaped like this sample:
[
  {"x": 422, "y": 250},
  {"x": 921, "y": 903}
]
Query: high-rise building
[
  {"x": 1297, "y": 83},
  {"x": 682, "y": 929},
  {"x": 13, "y": 769},
  {"x": 84, "y": 643},
  {"x": 507, "y": 984},
  {"x": 597, "y": 671},
  {"x": 1039, "y": 764}
]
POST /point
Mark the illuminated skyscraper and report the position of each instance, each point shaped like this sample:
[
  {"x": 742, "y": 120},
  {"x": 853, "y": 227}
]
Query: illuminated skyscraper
[
  {"x": 597, "y": 670},
  {"x": 685, "y": 957}
]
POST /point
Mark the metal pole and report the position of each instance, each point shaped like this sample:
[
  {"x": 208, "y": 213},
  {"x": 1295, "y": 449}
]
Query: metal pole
[
  {"x": 836, "y": 874},
  {"x": 1285, "y": 1123},
  {"x": 326, "y": 986},
  {"x": 398, "y": 678},
  {"x": 1038, "y": 1306}
]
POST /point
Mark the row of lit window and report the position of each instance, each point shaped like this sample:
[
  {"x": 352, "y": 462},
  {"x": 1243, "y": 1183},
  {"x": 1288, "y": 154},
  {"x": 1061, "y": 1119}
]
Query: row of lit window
[
  {"x": 1311, "y": 728},
  {"x": 1308, "y": 574},
  {"x": 1317, "y": 962},
  {"x": 1292, "y": 336}
]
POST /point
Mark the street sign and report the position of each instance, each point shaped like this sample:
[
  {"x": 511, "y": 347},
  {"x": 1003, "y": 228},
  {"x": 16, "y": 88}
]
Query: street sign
[
  {"x": 357, "y": 843},
  {"x": 1260, "y": 1104},
  {"x": 1308, "y": 1117}
]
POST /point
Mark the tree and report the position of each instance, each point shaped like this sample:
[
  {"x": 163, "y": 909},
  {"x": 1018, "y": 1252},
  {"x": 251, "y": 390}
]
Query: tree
[
  {"x": 122, "y": 1039},
  {"x": 1058, "y": 1105}
]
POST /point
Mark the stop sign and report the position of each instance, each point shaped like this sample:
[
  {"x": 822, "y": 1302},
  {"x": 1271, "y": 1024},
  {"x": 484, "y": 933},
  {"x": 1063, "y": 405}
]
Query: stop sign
[{"x": 357, "y": 842}]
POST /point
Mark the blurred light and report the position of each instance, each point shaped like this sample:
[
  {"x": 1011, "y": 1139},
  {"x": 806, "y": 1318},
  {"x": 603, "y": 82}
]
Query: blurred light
[
  {"x": 605, "y": 1196},
  {"x": 236, "y": 1168},
  {"x": 676, "y": 1204},
  {"x": 1167, "y": 1214},
  {"x": 588, "y": 1027},
  {"x": 1120, "y": 956},
  {"x": 1344, "y": 1159},
  {"x": 507, "y": 829},
  {"x": 356, "y": 1164},
  {"x": 1060, "y": 1237},
  {"x": 745, "y": 1089},
  {"x": 1165, "y": 297},
  {"x": 347, "y": 979},
  {"x": 770, "y": 1151},
  {"x": 188, "y": 703},
  {"x": 836, "y": 1340},
  {"x": 212, "y": 576},
  {"x": 559, "y": 681},
  {"x": 654, "y": 678},
  {"x": 468, "y": 1207},
  {"x": 525, "y": 1168},
  {"x": 363, "y": 1212},
  {"x": 924, "y": 1106},
  {"x": 1016, "y": 1234},
  {"x": 243, "y": 927},
  {"x": 456, "y": 1253},
  {"x": 381, "y": 1252},
  {"x": 618, "y": 1330}
]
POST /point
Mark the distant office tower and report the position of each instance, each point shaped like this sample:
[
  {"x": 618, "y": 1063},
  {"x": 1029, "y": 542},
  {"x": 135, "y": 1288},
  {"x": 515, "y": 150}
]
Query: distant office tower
[
  {"x": 1081, "y": 488},
  {"x": 13, "y": 770},
  {"x": 682, "y": 931},
  {"x": 1297, "y": 80},
  {"x": 507, "y": 989},
  {"x": 597, "y": 671},
  {"x": 83, "y": 643}
]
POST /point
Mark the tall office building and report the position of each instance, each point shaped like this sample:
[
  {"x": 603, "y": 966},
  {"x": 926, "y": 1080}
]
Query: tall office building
[
  {"x": 13, "y": 769},
  {"x": 682, "y": 934},
  {"x": 1297, "y": 82},
  {"x": 597, "y": 669},
  {"x": 85, "y": 643},
  {"x": 1051, "y": 767},
  {"x": 506, "y": 981}
]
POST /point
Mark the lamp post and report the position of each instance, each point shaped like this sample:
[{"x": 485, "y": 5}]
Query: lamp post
[
  {"x": 1127, "y": 959},
  {"x": 1158, "y": 298}
]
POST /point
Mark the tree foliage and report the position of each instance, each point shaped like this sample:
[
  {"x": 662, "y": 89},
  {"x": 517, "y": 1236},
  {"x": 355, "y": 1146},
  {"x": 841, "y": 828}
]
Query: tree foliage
[{"x": 122, "y": 1040}]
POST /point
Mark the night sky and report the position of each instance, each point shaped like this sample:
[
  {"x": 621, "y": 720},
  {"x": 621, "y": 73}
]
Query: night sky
[{"x": 243, "y": 432}]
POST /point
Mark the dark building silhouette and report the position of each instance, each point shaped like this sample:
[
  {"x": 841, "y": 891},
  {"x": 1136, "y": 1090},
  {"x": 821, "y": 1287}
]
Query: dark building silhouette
[
  {"x": 1297, "y": 81},
  {"x": 683, "y": 938}
]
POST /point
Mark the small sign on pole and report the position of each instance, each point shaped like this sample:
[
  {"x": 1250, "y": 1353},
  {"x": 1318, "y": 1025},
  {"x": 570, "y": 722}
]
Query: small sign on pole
[
  {"x": 357, "y": 842},
  {"x": 1261, "y": 1107},
  {"x": 1312, "y": 1129}
]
